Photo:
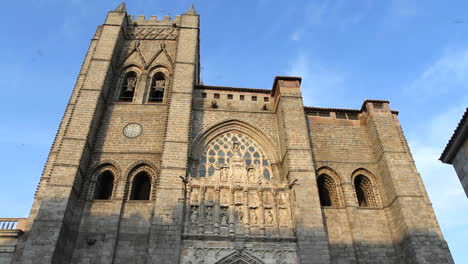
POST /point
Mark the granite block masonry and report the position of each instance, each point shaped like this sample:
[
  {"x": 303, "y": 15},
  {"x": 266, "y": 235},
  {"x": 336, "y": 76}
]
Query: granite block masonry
[{"x": 151, "y": 166}]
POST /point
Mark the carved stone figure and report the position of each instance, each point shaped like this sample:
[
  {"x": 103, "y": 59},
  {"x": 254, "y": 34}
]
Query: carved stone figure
[
  {"x": 283, "y": 217},
  {"x": 239, "y": 198},
  {"x": 254, "y": 218},
  {"x": 280, "y": 198},
  {"x": 224, "y": 174},
  {"x": 209, "y": 197},
  {"x": 253, "y": 201},
  {"x": 224, "y": 197},
  {"x": 269, "y": 217},
  {"x": 267, "y": 200},
  {"x": 251, "y": 175},
  {"x": 195, "y": 198},
  {"x": 223, "y": 216},
  {"x": 239, "y": 215},
  {"x": 194, "y": 214},
  {"x": 209, "y": 215},
  {"x": 237, "y": 164}
]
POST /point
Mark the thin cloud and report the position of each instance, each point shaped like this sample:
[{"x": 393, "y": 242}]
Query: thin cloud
[
  {"x": 337, "y": 15},
  {"x": 443, "y": 75},
  {"x": 444, "y": 188}
]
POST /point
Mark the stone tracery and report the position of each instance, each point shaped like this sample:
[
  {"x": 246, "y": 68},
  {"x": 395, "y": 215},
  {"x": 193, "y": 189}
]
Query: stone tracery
[
  {"x": 234, "y": 191},
  {"x": 234, "y": 157}
]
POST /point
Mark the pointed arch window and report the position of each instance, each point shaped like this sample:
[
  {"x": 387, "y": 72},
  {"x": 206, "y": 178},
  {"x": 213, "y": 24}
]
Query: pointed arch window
[
  {"x": 141, "y": 187},
  {"x": 365, "y": 192},
  {"x": 233, "y": 150},
  {"x": 158, "y": 84},
  {"x": 104, "y": 186},
  {"x": 328, "y": 192},
  {"x": 128, "y": 87}
]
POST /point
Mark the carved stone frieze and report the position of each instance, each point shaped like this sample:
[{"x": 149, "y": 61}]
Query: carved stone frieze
[
  {"x": 239, "y": 254},
  {"x": 152, "y": 32}
]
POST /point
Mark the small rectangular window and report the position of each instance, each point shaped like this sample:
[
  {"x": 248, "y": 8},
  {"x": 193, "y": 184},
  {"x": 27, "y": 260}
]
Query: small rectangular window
[
  {"x": 266, "y": 99},
  {"x": 324, "y": 114},
  {"x": 216, "y": 96},
  {"x": 314, "y": 114},
  {"x": 230, "y": 96},
  {"x": 378, "y": 105},
  {"x": 242, "y": 97},
  {"x": 353, "y": 116},
  {"x": 203, "y": 95},
  {"x": 254, "y": 98},
  {"x": 341, "y": 115}
]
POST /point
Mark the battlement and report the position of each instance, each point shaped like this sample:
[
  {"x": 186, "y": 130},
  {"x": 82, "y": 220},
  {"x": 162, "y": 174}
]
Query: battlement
[{"x": 154, "y": 21}]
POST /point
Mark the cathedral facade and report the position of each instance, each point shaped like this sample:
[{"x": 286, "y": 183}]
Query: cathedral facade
[{"x": 151, "y": 166}]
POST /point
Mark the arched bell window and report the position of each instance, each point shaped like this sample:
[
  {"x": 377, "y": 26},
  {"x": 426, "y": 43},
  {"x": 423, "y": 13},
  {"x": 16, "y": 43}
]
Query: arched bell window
[
  {"x": 128, "y": 87},
  {"x": 327, "y": 191},
  {"x": 104, "y": 186},
  {"x": 141, "y": 187},
  {"x": 365, "y": 193},
  {"x": 158, "y": 84}
]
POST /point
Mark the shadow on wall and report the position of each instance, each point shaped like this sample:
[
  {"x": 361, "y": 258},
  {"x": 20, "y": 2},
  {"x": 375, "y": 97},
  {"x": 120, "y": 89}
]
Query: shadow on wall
[{"x": 101, "y": 239}]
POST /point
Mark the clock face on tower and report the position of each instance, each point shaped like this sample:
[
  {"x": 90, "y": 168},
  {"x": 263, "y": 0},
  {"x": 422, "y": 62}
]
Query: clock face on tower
[{"x": 132, "y": 130}]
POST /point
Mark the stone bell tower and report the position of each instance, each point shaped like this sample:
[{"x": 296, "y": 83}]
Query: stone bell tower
[{"x": 129, "y": 114}]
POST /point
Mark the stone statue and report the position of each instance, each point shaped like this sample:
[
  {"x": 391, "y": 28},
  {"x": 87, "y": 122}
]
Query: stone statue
[
  {"x": 194, "y": 214},
  {"x": 280, "y": 198},
  {"x": 254, "y": 217},
  {"x": 223, "y": 216},
  {"x": 239, "y": 215},
  {"x": 283, "y": 217},
  {"x": 195, "y": 197},
  {"x": 269, "y": 217},
  {"x": 239, "y": 197},
  {"x": 209, "y": 197},
  {"x": 224, "y": 174},
  {"x": 251, "y": 175},
  {"x": 267, "y": 199},
  {"x": 236, "y": 164},
  {"x": 209, "y": 215}
]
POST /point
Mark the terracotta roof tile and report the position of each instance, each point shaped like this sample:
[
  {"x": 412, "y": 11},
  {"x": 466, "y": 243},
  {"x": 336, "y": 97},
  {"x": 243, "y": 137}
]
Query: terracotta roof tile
[{"x": 444, "y": 157}]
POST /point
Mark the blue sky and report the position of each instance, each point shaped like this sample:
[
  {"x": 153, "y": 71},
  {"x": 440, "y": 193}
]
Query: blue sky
[{"x": 413, "y": 53}]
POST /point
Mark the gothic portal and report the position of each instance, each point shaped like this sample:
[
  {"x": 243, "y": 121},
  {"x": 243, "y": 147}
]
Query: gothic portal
[{"x": 151, "y": 166}]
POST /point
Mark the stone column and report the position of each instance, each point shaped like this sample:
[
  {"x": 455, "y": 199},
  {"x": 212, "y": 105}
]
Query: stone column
[
  {"x": 53, "y": 230},
  {"x": 297, "y": 163}
]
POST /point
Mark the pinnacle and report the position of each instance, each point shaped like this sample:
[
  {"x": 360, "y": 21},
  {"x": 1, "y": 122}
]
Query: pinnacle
[
  {"x": 121, "y": 8},
  {"x": 191, "y": 11}
]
